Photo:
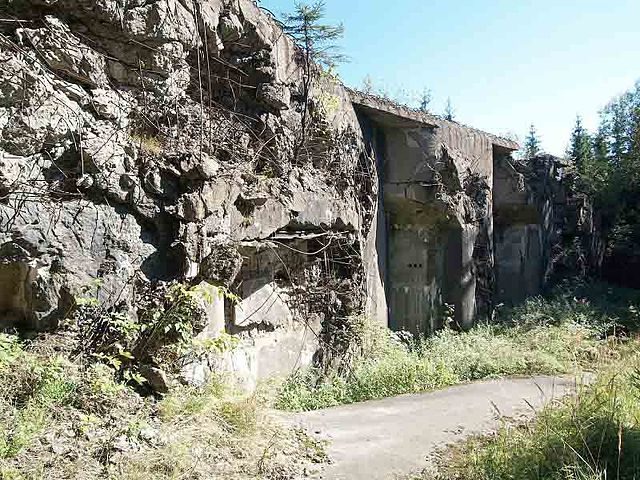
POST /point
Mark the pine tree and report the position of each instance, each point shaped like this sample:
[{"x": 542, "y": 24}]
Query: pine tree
[
  {"x": 317, "y": 48},
  {"x": 599, "y": 146},
  {"x": 314, "y": 38},
  {"x": 580, "y": 151},
  {"x": 532, "y": 144},
  {"x": 589, "y": 157},
  {"x": 449, "y": 112},
  {"x": 425, "y": 100}
]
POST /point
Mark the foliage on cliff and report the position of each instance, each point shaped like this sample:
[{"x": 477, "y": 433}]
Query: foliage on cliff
[{"x": 64, "y": 418}]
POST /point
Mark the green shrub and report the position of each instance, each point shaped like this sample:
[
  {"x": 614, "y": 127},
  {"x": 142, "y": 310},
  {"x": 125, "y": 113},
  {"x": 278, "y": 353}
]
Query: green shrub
[
  {"x": 31, "y": 387},
  {"x": 190, "y": 401},
  {"x": 106, "y": 430}
]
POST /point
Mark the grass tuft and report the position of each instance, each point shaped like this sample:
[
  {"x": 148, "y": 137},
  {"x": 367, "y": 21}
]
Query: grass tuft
[
  {"x": 147, "y": 144},
  {"x": 61, "y": 419}
]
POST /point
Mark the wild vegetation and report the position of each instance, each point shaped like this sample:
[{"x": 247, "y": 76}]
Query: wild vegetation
[
  {"x": 564, "y": 333},
  {"x": 77, "y": 403},
  {"x": 593, "y": 435},
  {"x": 605, "y": 165},
  {"x": 61, "y": 417}
]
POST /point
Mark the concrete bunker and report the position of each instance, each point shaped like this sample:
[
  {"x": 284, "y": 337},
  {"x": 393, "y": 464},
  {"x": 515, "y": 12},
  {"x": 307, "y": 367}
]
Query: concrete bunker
[
  {"x": 528, "y": 212},
  {"x": 289, "y": 287},
  {"x": 435, "y": 214}
]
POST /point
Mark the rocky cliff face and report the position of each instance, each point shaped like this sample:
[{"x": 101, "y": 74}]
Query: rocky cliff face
[{"x": 145, "y": 141}]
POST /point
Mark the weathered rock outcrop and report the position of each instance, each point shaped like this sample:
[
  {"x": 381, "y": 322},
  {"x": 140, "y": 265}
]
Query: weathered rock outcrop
[
  {"x": 146, "y": 141},
  {"x": 543, "y": 231}
]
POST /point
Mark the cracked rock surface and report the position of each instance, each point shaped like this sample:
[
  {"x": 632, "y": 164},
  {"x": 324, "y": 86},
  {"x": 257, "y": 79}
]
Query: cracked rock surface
[{"x": 143, "y": 141}]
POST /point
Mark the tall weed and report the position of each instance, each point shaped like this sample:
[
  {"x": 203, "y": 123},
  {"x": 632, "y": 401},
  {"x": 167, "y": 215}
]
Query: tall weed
[
  {"x": 592, "y": 435},
  {"x": 560, "y": 334}
]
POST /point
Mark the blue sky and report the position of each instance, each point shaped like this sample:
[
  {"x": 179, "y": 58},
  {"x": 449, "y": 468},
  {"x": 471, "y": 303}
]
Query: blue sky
[{"x": 504, "y": 63}]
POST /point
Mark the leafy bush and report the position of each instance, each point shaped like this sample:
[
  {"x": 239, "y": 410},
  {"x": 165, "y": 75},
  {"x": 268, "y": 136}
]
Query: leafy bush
[
  {"x": 168, "y": 318},
  {"x": 30, "y": 390}
]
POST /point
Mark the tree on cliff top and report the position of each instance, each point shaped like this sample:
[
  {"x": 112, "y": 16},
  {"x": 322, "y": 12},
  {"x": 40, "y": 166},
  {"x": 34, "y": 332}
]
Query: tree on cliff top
[
  {"x": 317, "y": 47},
  {"x": 425, "y": 100},
  {"x": 449, "y": 112},
  {"x": 580, "y": 152},
  {"x": 532, "y": 144},
  {"x": 314, "y": 38}
]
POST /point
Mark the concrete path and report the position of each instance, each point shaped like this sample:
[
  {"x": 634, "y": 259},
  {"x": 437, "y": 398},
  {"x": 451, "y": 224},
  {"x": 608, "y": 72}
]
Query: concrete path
[{"x": 393, "y": 437}]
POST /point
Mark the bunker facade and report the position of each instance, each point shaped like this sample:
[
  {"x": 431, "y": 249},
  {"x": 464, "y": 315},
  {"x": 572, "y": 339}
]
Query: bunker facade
[{"x": 446, "y": 246}]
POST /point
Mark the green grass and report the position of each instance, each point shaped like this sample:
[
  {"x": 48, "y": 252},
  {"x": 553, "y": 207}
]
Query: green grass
[
  {"x": 594, "y": 435},
  {"x": 63, "y": 419},
  {"x": 447, "y": 359},
  {"x": 555, "y": 335},
  {"x": 66, "y": 417}
]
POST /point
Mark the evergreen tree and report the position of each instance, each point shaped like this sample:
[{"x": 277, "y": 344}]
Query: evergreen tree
[
  {"x": 616, "y": 119},
  {"x": 611, "y": 177},
  {"x": 532, "y": 144},
  {"x": 449, "y": 112},
  {"x": 316, "y": 41},
  {"x": 599, "y": 147},
  {"x": 595, "y": 170},
  {"x": 580, "y": 152},
  {"x": 367, "y": 85},
  {"x": 425, "y": 100}
]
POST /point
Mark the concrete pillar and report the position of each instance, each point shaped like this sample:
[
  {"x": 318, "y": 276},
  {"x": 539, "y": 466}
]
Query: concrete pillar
[
  {"x": 467, "y": 302},
  {"x": 461, "y": 280}
]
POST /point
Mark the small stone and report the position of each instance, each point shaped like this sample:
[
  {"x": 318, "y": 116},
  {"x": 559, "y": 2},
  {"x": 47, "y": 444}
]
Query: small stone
[
  {"x": 153, "y": 182},
  {"x": 276, "y": 96},
  {"x": 122, "y": 444},
  {"x": 10, "y": 169},
  {"x": 149, "y": 434},
  {"x": 222, "y": 265},
  {"x": 156, "y": 377},
  {"x": 208, "y": 168},
  {"x": 195, "y": 374},
  {"x": 84, "y": 182},
  {"x": 58, "y": 444}
]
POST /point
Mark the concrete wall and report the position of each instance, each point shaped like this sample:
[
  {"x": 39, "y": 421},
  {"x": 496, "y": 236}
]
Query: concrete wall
[
  {"x": 519, "y": 265},
  {"x": 426, "y": 246},
  {"x": 376, "y": 247},
  {"x": 475, "y": 148},
  {"x": 417, "y": 278},
  {"x": 525, "y": 216}
]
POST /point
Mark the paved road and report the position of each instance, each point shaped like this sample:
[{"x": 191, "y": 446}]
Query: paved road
[{"x": 385, "y": 439}]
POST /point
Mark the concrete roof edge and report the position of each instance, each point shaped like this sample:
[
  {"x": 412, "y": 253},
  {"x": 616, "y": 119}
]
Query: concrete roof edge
[{"x": 384, "y": 105}]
